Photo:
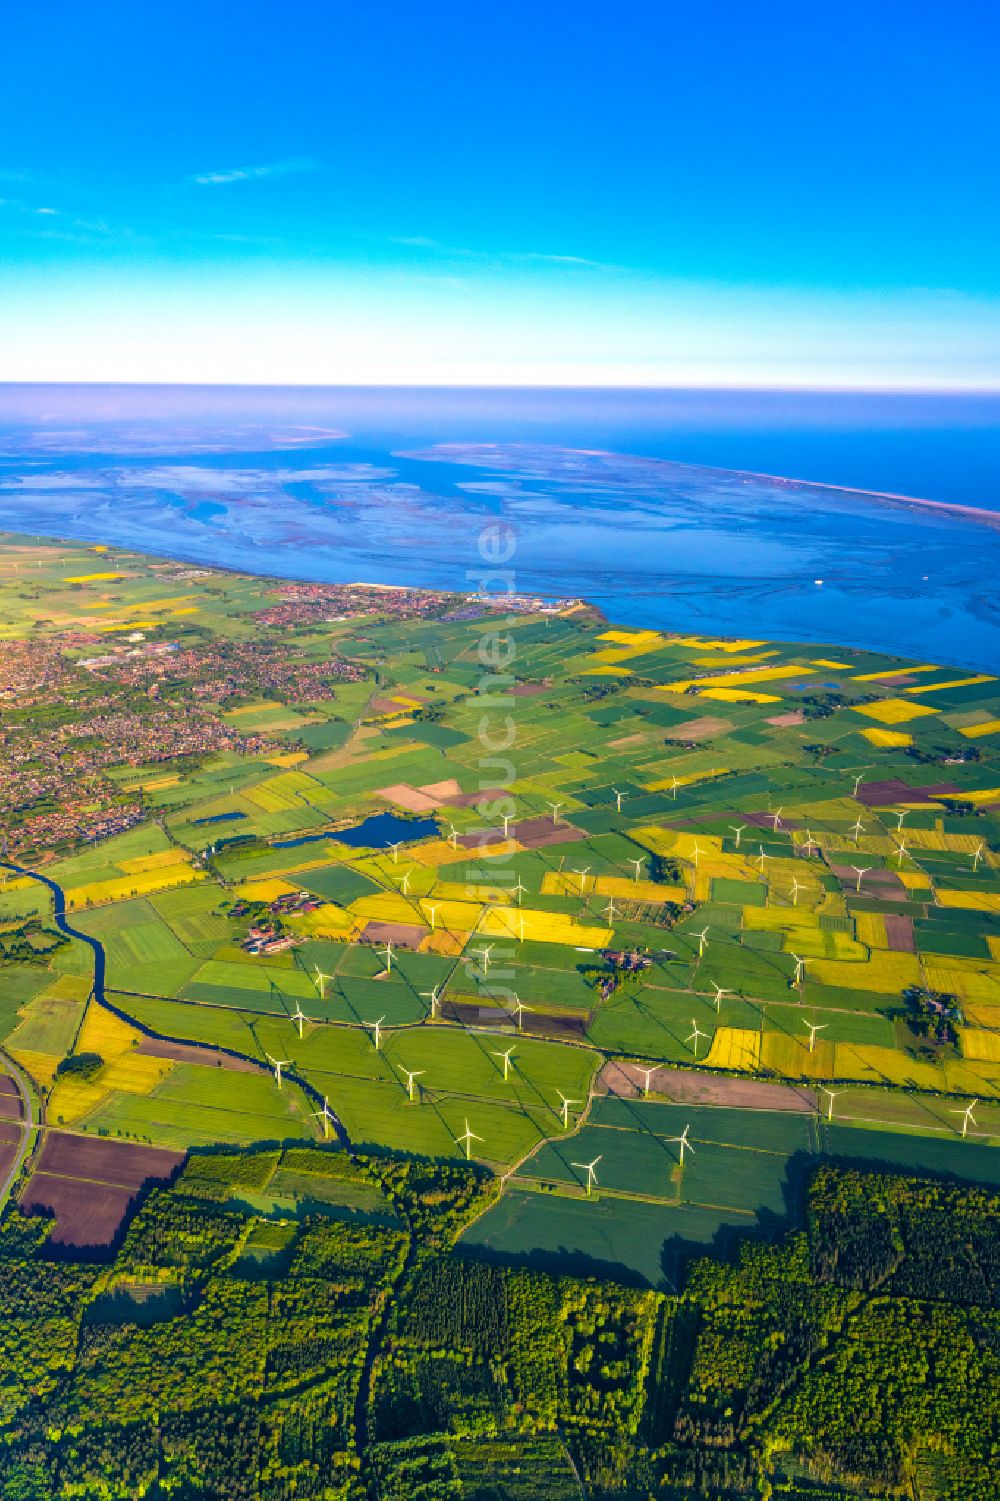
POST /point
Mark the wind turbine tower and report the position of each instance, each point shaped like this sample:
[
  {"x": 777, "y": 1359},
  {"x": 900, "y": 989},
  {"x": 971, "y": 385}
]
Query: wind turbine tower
[{"x": 589, "y": 1169}]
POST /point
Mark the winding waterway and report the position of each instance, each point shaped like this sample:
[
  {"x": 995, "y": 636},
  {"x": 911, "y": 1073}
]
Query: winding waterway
[{"x": 99, "y": 993}]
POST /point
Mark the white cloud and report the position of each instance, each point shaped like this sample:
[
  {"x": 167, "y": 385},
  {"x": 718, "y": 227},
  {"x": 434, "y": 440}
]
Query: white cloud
[
  {"x": 500, "y": 257},
  {"x": 252, "y": 174}
]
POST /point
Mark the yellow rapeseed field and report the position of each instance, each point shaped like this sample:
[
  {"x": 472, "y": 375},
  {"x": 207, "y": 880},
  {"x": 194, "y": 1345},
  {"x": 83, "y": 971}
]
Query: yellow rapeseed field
[
  {"x": 137, "y": 884},
  {"x": 740, "y": 696},
  {"x": 789, "y": 1056},
  {"x": 984, "y": 795},
  {"x": 157, "y": 861},
  {"x": 893, "y": 710},
  {"x": 645, "y": 638},
  {"x": 742, "y": 678},
  {"x": 103, "y": 1032},
  {"x": 978, "y": 1044},
  {"x": 452, "y": 914},
  {"x": 134, "y": 1073},
  {"x": 735, "y": 1047},
  {"x": 870, "y": 929},
  {"x": 887, "y": 738},
  {"x": 982, "y": 1014},
  {"x": 91, "y": 578},
  {"x": 714, "y": 643},
  {"x": 73, "y": 1098},
  {"x": 327, "y": 921},
  {"x": 41, "y": 1066},
  {"x": 388, "y": 906},
  {"x": 266, "y": 889},
  {"x": 975, "y": 731},
  {"x": 543, "y": 927},
  {"x": 885, "y": 973},
  {"x": 973, "y": 901},
  {"x": 875, "y": 677},
  {"x": 935, "y": 839},
  {"x": 970, "y": 980},
  {"x": 664, "y": 784},
  {"x": 951, "y": 683}
]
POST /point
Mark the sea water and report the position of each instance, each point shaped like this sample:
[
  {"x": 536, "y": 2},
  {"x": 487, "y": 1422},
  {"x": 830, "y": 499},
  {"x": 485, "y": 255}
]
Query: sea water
[{"x": 666, "y": 508}]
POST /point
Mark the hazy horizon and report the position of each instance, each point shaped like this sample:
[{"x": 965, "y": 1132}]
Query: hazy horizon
[{"x": 692, "y": 196}]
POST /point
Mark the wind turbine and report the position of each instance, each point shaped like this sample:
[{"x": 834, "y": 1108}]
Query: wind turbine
[
  {"x": 555, "y": 810},
  {"x": 647, "y": 1074},
  {"x": 432, "y": 996},
  {"x": 411, "y": 1074},
  {"x": 406, "y": 882},
  {"x": 395, "y": 851},
  {"x": 967, "y": 1116},
  {"x": 388, "y": 957},
  {"x": 685, "y": 1145},
  {"x": 377, "y": 1030},
  {"x": 776, "y": 816},
  {"x": 702, "y": 938},
  {"x": 675, "y": 783},
  {"x": 507, "y": 1056},
  {"x": 564, "y": 1108},
  {"x": 857, "y": 829},
  {"x": 696, "y": 852},
  {"x": 521, "y": 925},
  {"x": 609, "y": 911},
  {"x": 618, "y": 798},
  {"x": 583, "y": 874},
  {"x": 520, "y": 1008},
  {"x": 321, "y": 980},
  {"x": 860, "y": 873},
  {"x": 484, "y": 953},
  {"x": 901, "y": 852},
  {"x": 857, "y": 783},
  {"x": 831, "y": 1095},
  {"x": 737, "y": 829},
  {"x": 695, "y": 1035},
  {"x": 809, "y": 843},
  {"x": 719, "y": 993},
  {"x": 899, "y": 814},
  {"x": 761, "y": 856},
  {"x": 588, "y": 1168},
  {"x": 453, "y": 836},
  {"x": 468, "y": 1136},
  {"x": 506, "y": 825},
  {"x": 519, "y": 890},
  {"x": 800, "y": 965},
  {"x": 278, "y": 1064},
  {"x": 638, "y": 866},
  {"x": 298, "y": 1016},
  {"x": 812, "y": 1028},
  {"x": 326, "y": 1115},
  {"x": 796, "y": 888},
  {"x": 978, "y": 855},
  {"x": 433, "y": 910}
]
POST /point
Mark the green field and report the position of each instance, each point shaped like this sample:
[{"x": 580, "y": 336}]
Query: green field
[{"x": 728, "y": 873}]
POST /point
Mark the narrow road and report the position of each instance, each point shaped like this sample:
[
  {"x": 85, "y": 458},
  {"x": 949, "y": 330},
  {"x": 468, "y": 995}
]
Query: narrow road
[{"x": 29, "y": 1126}]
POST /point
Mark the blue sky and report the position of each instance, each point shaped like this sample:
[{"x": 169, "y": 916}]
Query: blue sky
[{"x": 702, "y": 192}]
